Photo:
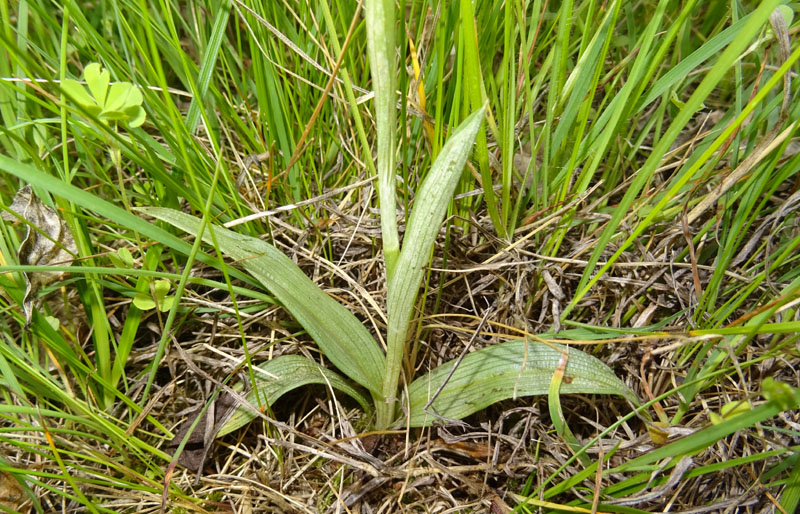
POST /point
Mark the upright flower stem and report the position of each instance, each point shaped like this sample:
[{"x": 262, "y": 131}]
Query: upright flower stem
[{"x": 380, "y": 18}]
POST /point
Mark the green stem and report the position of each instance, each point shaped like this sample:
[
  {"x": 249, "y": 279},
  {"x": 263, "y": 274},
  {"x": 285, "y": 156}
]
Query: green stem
[{"x": 380, "y": 18}]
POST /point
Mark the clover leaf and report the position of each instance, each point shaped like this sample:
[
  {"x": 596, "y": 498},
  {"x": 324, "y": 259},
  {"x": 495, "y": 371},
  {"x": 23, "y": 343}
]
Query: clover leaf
[{"x": 119, "y": 103}]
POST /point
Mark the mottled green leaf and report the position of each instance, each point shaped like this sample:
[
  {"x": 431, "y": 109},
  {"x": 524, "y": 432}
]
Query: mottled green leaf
[
  {"x": 342, "y": 338},
  {"x": 507, "y": 370},
  {"x": 280, "y": 375}
]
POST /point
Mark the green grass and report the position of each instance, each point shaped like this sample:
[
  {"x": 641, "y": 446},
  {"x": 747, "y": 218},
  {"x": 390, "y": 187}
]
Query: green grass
[{"x": 643, "y": 154}]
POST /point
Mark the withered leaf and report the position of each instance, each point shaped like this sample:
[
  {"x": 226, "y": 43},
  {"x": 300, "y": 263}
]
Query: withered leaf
[
  {"x": 11, "y": 493},
  {"x": 199, "y": 441},
  {"x": 47, "y": 242}
]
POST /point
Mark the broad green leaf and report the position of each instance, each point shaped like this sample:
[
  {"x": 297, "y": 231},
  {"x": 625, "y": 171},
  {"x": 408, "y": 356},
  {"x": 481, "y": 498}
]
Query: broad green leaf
[
  {"x": 145, "y": 301},
  {"x": 161, "y": 288},
  {"x": 429, "y": 209},
  {"x": 97, "y": 79},
  {"x": 165, "y": 304},
  {"x": 281, "y": 375},
  {"x": 134, "y": 98},
  {"x": 121, "y": 259},
  {"x": 503, "y": 371},
  {"x": 342, "y": 338}
]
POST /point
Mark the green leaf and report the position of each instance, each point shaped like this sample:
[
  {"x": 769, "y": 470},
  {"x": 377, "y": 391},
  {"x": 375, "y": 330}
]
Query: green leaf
[
  {"x": 144, "y": 301},
  {"x": 338, "y": 333},
  {"x": 682, "y": 70},
  {"x": 790, "y": 497},
  {"x": 165, "y": 304},
  {"x": 730, "y": 410},
  {"x": 279, "y": 376},
  {"x": 134, "y": 98},
  {"x": 78, "y": 93},
  {"x": 121, "y": 103},
  {"x": 787, "y": 13},
  {"x": 124, "y": 256},
  {"x": 136, "y": 116},
  {"x": 430, "y": 206},
  {"x": 97, "y": 79},
  {"x": 381, "y": 47},
  {"x": 161, "y": 289},
  {"x": 503, "y": 371},
  {"x": 117, "y": 96},
  {"x": 780, "y": 393}
]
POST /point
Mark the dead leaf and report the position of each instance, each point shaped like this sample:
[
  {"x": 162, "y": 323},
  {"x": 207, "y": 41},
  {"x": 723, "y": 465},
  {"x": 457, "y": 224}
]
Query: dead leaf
[
  {"x": 47, "y": 242},
  {"x": 11, "y": 493},
  {"x": 199, "y": 441}
]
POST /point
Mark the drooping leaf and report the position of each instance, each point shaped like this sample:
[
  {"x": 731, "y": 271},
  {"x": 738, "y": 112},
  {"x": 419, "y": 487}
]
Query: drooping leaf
[
  {"x": 47, "y": 242},
  {"x": 507, "y": 370},
  {"x": 279, "y": 376},
  {"x": 341, "y": 337}
]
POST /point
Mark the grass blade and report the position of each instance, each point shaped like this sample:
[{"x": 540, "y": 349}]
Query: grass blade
[
  {"x": 692, "y": 105},
  {"x": 708, "y": 436},
  {"x": 207, "y": 66},
  {"x": 791, "y": 493},
  {"x": 473, "y": 80},
  {"x": 106, "y": 209}
]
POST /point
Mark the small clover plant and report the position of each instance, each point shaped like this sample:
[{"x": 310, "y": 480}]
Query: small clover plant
[
  {"x": 120, "y": 102},
  {"x": 159, "y": 298}
]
